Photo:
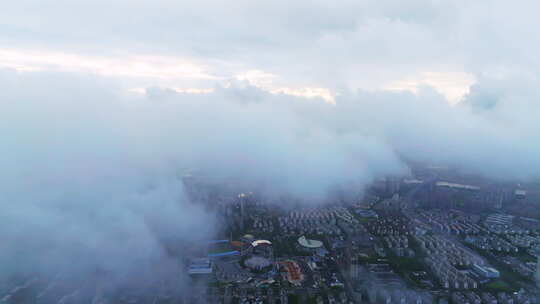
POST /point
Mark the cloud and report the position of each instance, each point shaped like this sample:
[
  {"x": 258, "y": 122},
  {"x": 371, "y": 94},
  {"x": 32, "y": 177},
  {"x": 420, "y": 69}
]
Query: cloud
[
  {"x": 368, "y": 45},
  {"x": 353, "y": 44},
  {"x": 82, "y": 192},
  {"x": 454, "y": 86},
  {"x": 90, "y": 181},
  {"x": 90, "y": 173}
]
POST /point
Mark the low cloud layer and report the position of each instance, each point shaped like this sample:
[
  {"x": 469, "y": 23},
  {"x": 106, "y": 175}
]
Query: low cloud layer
[
  {"x": 82, "y": 191},
  {"x": 90, "y": 175}
]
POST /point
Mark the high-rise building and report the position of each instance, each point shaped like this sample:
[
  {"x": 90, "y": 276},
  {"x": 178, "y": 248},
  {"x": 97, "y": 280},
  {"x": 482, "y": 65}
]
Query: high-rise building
[
  {"x": 242, "y": 199},
  {"x": 537, "y": 273},
  {"x": 520, "y": 193},
  {"x": 392, "y": 185}
]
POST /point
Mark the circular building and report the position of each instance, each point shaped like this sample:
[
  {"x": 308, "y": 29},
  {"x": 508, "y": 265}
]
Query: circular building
[
  {"x": 310, "y": 244},
  {"x": 259, "y": 257},
  {"x": 258, "y": 263}
]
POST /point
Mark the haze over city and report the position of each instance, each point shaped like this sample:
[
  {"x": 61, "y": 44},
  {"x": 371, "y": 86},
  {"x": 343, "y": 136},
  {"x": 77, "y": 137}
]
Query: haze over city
[{"x": 134, "y": 134}]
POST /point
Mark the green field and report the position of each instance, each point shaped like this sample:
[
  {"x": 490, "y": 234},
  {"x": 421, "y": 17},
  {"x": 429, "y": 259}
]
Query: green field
[{"x": 499, "y": 285}]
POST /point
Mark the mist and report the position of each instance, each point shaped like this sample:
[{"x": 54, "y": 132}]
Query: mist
[{"x": 91, "y": 175}]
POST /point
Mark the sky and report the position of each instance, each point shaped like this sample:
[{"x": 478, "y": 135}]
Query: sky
[
  {"x": 304, "y": 48},
  {"x": 104, "y": 103},
  {"x": 308, "y": 48}
]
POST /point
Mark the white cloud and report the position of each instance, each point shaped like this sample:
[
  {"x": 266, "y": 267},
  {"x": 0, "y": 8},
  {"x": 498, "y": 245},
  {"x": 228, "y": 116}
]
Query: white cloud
[
  {"x": 453, "y": 85},
  {"x": 141, "y": 66}
]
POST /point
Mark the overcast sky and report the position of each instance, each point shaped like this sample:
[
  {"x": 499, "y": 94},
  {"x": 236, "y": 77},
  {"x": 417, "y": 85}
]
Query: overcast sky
[{"x": 300, "y": 47}]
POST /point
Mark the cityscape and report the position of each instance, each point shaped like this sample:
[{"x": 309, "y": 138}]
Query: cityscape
[
  {"x": 432, "y": 236},
  {"x": 435, "y": 236}
]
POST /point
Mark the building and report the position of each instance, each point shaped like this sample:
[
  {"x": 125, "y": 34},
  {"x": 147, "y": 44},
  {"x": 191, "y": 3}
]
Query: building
[
  {"x": 221, "y": 248},
  {"x": 537, "y": 273},
  {"x": 392, "y": 185},
  {"x": 486, "y": 272},
  {"x": 259, "y": 256},
  {"x": 520, "y": 194},
  {"x": 200, "y": 266},
  {"x": 311, "y": 244},
  {"x": 499, "y": 219},
  {"x": 456, "y": 186},
  {"x": 293, "y": 272}
]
